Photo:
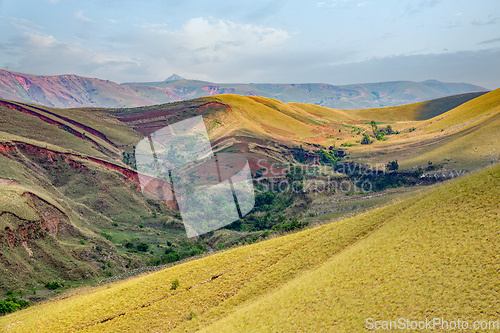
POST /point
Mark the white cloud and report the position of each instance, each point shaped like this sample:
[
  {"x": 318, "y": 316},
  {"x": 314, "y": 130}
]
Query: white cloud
[
  {"x": 24, "y": 24},
  {"x": 215, "y": 45},
  {"x": 362, "y": 4},
  {"x": 332, "y": 3},
  {"x": 55, "y": 57},
  {"x": 79, "y": 15},
  {"x": 203, "y": 48}
]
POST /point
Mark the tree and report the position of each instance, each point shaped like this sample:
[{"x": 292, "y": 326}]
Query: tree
[
  {"x": 392, "y": 166},
  {"x": 366, "y": 139}
]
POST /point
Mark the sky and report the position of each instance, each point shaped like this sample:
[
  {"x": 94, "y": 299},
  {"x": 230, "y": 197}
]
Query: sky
[{"x": 323, "y": 41}]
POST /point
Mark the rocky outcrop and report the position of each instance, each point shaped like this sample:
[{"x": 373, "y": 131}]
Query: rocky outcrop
[{"x": 51, "y": 221}]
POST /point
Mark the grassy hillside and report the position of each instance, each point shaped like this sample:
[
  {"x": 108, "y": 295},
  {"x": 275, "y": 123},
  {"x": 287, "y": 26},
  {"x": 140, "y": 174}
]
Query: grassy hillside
[
  {"x": 467, "y": 113},
  {"x": 416, "y": 111},
  {"x": 64, "y": 184},
  {"x": 256, "y": 124},
  {"x": 432, "y": 255},
  {"x": 75, "y": 172},
  {"x": 465, "y": 137}
]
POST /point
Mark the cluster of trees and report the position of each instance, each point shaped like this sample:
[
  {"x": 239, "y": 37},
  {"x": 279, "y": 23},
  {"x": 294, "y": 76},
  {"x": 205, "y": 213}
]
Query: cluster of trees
[
  {"x": 142, "y": 246},
  {"x": 331, "y": 156},
  {"x": 12, "y": 303},
  {"x": 181, "y": 251},
  {"x": 129, "y": 159},
  {"x": 378, "y": 133}
]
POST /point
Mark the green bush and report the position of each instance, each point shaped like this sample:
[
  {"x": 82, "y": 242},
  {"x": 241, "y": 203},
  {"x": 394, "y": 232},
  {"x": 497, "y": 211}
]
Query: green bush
[
  {"x": 53, "y": 285},
  {"x": 171, "y": 257},
  {"x": 366, "y": 139},
  {"x": 143, "y": 247},
  {"x": 175, "y": 284},
  {"x": 392, "y": 166},
  {"x": 129, "y": 245},
  {"x": 8, "y": 307},
  {"x": 192, "y": 315},
  {"x": 107, "y": 236}
]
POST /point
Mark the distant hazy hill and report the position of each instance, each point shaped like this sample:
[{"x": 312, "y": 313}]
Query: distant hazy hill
[
  {"x": 340, "y": 97},
  {"x": 76, "y": 91}
]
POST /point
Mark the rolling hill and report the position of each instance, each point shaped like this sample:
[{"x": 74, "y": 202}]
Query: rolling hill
[
  {"x": 64, "y": 186},
  {"x": 433, "y": 255},
  {"x": 76, "y": 91},
  {"x": 465, "y": 137}
]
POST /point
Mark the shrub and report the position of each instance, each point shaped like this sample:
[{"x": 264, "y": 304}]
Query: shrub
[
  {"x": 366, "y": 139},
  {"x": 192, "y": 315},
  {"x": 392, "y": 166},
  {"x": 53, "y": 285},
  {"x": 170, "y": 257},
  {"x": 107, "y": 236},
  {"x": 143, "y": 247},
  {"x": 8, "y": 307},
  {"x": 175, "y": 284},
  {"x": 129, "y": 245}
]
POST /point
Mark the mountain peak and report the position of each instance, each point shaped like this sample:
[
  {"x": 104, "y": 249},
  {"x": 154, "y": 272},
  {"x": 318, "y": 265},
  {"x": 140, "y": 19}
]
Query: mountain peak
[{"x": 174, "y": 77}]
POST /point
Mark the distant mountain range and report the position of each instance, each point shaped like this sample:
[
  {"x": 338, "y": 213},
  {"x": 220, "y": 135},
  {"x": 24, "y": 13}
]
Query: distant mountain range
[{"x": 76, "y": 91}]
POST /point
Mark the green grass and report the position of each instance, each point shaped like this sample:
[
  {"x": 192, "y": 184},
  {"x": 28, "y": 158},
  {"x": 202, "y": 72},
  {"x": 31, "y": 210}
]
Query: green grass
[{"x": 433, "y": 255}]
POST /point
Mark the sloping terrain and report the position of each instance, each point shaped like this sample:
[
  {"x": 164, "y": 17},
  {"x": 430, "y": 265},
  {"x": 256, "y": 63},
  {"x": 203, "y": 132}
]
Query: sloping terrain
[
  {"x": 63, "y": 186},
  {"x": 76, "y": 91},
  {"x": 75, "y": 167},
  {"x": 66, "y": 91},
  {"x": 434, "y": 255},
  {"x": 465, "y": 137},
  {"x": 257, "y": 125},
  {"x": 417, "y": 111}
]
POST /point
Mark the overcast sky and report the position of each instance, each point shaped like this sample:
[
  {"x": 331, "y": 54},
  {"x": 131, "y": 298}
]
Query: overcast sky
[{"x": 328, "y": 41}]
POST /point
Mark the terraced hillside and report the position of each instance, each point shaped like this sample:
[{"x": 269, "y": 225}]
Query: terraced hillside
[{"x": 434, "y": 255}]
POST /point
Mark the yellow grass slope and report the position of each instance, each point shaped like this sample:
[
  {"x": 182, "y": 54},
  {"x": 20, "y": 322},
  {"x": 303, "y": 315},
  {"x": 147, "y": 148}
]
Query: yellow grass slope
[
  {"x": 467, "y": 113},
  {"x": 470, "y": 134},
  {"x": 437, "y": 257},
  {"x": 433, "y": 255},
  {"x": 265, "y": 117},
  {"x": 415, "y": 111}
]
